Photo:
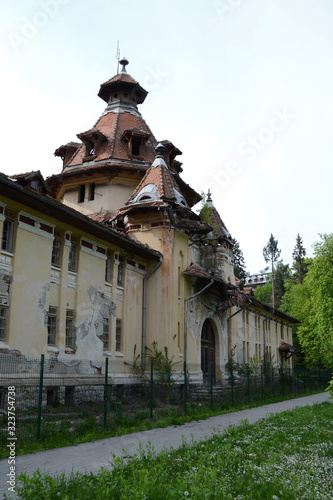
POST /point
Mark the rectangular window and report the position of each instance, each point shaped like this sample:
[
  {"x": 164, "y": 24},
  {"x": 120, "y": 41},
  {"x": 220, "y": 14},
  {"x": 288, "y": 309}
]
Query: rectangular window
[
  {"x": 82, "y": 193},
  {"x": 56, "y": 249},
  {"x": 136, "y": 143},
  {"x": 92, "y": 191},
  {"x": 3, "y": 313},
  {"x": 105, "y": 334},
  {"x": 108, "y": 268},
  {"x": 118, "y": 335},
  {"x": 120, "y": 276},
  {"x": 8, "y": 232},
  {"x": 72, "y": 260},
  {"x": 70, "y": 329},
  {"x": 51, "y": 325}
]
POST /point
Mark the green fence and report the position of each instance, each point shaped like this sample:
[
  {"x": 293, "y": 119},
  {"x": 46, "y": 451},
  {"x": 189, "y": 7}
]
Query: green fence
[{"x": 42, "y": 397}]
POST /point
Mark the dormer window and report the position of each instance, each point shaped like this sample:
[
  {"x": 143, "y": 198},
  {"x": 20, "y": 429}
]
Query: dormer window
[
  {"x": 36, "y": 185},
  {"x": 90, "y": 149},
  {"x": 135, "y": 138},
  {"x": 136, "y": 143},
  {"x": 92, "y": 139}
]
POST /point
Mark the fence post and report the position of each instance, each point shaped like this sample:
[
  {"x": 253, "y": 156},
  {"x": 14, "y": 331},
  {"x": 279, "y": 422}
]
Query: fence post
[
  {"x": 273, "y": 375},
  {"x": 262, "y": 381},
  {"x": 151, "y": 388},
  {"x": 232, "y": 384},
  {"x": 185, "y": 389},
  {"x": 40, "y": 398},
  {"x": 211, "y": 385},
  {"x": 106, "y": 390},
  {"x": 248, "y": 384}
]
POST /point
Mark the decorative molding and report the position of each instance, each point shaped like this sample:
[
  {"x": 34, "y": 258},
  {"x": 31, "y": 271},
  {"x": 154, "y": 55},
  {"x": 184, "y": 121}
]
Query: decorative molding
[
  {"x": 55, "y": 275},
  {"x": 90, "y": 247},
  {"x": 35, "y": 225},
  {"x": 71, "y": 279},
  {"x": 6, "y": 261}
]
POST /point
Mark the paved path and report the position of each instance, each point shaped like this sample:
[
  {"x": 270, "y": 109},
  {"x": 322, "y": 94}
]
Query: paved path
[{"x": 89, "y": 457}]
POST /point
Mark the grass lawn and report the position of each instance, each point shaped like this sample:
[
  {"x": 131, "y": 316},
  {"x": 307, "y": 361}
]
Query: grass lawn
[{"x": 286, "y": 456}]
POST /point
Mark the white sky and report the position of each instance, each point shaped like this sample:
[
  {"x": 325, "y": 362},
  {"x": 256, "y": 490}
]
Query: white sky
[{"x": 220, "y": 74}]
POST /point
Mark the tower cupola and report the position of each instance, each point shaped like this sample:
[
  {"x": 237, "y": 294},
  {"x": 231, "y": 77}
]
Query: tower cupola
[{"x": 122, "y": 87}]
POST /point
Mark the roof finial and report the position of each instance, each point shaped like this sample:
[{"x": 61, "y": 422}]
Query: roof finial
[
  {"x": 124, "y": 63},
  {"x": 209, "y": 196},
  {"x": 159, "y": 160},
  {"x": 160, "y": 150}
]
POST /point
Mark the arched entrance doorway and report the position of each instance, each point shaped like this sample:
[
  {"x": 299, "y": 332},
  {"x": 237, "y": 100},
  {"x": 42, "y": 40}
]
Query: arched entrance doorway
[{"x": 207, "y": 351}]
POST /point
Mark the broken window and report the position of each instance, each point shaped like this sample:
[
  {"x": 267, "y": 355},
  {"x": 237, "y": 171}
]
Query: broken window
[
  {"x": 8, "y": 232},
  {"x": 73, "y": 253},
  {"x": 105, "y": 334},
  {"x": 56, "y": 249},
  {"x": 69, "y": 342},
  {"x": 120, "y": 276},
  {"x": 108, "y": 267},
  {"x": 118, "y": 335},
  {"x": 90, "y": 148},
  {"x": 51, "y": 325},
  {"x": 3, "y": 314}
]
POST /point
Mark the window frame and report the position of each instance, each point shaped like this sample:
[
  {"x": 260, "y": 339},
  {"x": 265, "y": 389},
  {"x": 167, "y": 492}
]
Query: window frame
[
  {"x": 108, "y": 267},
  {"x": 3, "y": 323},
  {"x": 73, "y": 254},
  {"x": 106, "y": 333},
  {"x": 56, "y": 249},
  {"x": 118, "y": 335},
  {"x": 7, "y": 239},
  {"x": 70, "y": 328},
  {"x": 121, "y": 271},
  {"x": 52, "y": 325}
]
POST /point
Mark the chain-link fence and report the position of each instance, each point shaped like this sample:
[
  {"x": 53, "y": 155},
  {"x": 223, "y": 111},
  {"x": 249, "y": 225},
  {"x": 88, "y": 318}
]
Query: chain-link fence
[{"x": 41, "y": 399}]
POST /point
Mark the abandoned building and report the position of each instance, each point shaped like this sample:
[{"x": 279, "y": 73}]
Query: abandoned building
[{"x": 109, "y": 256}]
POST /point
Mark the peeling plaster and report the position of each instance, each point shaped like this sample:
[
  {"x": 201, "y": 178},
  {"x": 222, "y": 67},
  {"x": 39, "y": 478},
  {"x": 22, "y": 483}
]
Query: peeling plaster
[{"x": 89, "y": 330}]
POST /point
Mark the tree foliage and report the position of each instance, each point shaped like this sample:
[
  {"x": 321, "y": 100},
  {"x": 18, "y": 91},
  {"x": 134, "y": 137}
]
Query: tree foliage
[
  {"x": 239, "y": 262},
  {"x": 264, "y": 293},
  {"x": 299, "y": 262},
  {"x": 312, "y": 303},
  {"x": 271, "y": 254}
]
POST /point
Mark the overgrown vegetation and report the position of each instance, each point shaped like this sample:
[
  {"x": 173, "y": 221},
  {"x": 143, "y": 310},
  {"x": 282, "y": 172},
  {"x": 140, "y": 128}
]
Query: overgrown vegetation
[{"x": 285, "y": 456}]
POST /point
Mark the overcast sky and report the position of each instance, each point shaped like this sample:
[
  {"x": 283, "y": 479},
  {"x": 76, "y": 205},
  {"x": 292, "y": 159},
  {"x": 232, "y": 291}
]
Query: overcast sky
[{"x": 242, "y": 87}]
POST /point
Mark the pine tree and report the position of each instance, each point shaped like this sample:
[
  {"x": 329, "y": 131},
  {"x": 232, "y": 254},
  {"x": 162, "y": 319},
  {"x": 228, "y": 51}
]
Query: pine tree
[
  {"x": 299, "y": 259},
  {"x": 271, "y": 254},
  {"x": 239, "y": 262}
]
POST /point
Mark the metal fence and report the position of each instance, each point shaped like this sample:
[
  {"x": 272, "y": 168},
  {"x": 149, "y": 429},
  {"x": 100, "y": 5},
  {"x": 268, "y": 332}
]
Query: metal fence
[{"x": 40, "y": 397}]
